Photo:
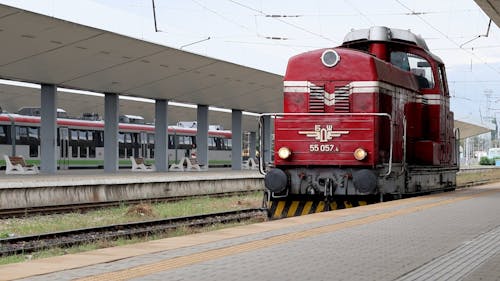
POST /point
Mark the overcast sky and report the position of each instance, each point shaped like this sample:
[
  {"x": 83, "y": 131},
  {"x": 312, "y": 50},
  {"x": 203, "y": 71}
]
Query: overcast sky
[{"x": 242, "y": 32}]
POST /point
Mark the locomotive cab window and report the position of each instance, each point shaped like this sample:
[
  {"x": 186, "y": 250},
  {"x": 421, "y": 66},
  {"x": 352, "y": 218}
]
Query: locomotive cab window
[{"x": 417, "y": 65}]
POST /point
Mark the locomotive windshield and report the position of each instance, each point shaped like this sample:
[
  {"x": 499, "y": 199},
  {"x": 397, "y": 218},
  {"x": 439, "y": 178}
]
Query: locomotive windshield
[{"x": 417, "y": 65}]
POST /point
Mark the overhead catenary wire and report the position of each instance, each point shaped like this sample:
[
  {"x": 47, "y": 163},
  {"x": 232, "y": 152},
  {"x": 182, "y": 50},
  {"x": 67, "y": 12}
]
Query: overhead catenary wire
[
  {"x": 449, "y": 38},
  {"x": 282, "y": 21}
]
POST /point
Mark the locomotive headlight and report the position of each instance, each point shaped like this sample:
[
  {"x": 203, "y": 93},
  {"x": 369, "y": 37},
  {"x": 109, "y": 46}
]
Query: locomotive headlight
[
  {"x": 330, "y": 58},
  {"x": 360, "y": 154},
  {"x": 284, "y": 152}
]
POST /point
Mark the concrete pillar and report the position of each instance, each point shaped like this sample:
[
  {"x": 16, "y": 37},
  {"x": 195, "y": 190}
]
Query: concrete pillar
[
  {"x": 111, "y": 105},
  {"x": 48, "y": 129},
  {"x": 252, "y": 145},
  {"x": 236, "y": 139},
  {"x": 161, "y": 135},
  {"x": 267, "y": 128},
  {"x": 202, "y": 135}
]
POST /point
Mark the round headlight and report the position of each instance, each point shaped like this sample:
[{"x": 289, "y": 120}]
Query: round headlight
[
  {"x": 284, "y": 152},
  {"x": 360, "y": 154},
  {"x": 330, "y": 58}
]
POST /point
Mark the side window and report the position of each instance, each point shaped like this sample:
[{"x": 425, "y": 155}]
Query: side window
[
  {"x": 74, "y": 134},
  {"x": 418, "y": 65},
  {"x": 171, "y": 143},
  {"x": 21, "y": 134},
  {"x": 3, "y": 134},
  {"x": 211, "y": 143},
  {"x": 442, "y": 80},
  {"x": 400, "y": 59},
  {"x": 422, "y": 70}
]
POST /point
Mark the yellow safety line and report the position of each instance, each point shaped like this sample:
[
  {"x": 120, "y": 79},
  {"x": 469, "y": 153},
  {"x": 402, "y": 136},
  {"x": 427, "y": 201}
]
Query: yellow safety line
[{"x": 177, "y": 262}]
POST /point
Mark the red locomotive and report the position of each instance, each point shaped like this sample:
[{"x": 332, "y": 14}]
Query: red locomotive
[{"x": 368, "y": 118}]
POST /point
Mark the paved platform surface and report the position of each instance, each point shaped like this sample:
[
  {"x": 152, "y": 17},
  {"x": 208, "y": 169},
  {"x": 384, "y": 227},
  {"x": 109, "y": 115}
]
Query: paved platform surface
[{"x": 445, "y": 236}]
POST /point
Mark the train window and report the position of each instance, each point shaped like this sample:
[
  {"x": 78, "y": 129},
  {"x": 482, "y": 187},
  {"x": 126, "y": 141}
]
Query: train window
[
  {"x": 33, "y": 133},
  {"x": 91, "y": 151},
  {"x": 422, "y": 69},
  {"x": 211, "y": 143},
  {"x": 144, "y": 138},
  {"x": 99, "y": 138},
  {"x": 21, "y": 133},
  {"x": 171, "y": 142},
  {"x": 226, "y": 144},
  {"x": 3, "y": 134},
  {"x": 83, "y": 151},
  {"x": 185, "y": 140},
  {"x": 400, "y": 59},
  {"x": 442, "y": 80},
  {"x": 74, "y": 134},
  {"x": 151, "y": 138},
  {"x": 218, "y": 144},
  {"x": 82, "y": 135},
  {"x": 121, "y": 138},
  {"x": 127, "y": 138},
  {"x": 90, "y": 136}
]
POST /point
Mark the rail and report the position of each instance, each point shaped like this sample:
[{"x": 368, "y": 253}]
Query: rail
[
  {"x": 85, "y": 207},
  {"x": 65, "y": 239}
]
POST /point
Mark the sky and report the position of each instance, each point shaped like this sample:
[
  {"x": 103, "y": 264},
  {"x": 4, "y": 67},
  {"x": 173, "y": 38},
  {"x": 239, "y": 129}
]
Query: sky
[{"x": 264, "y": 34}]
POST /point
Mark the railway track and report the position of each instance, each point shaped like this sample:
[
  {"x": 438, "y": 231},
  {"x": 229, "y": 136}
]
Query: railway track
[
  {"x": 61, "y": 209},
  {"x": 66, "y": 239}
]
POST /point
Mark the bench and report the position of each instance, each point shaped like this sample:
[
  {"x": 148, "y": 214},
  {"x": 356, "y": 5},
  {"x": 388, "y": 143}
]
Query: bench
[
  {"x": 138, "y": 165},
  {"x": 186, "y": 164},
  {"x": 249, "y": 164},
  {"x": 15, "y": 165}
]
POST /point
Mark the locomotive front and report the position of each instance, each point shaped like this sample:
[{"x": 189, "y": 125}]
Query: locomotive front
[
  {"x": 331, "y": 140},
  {"x": 368, "y": 118}
]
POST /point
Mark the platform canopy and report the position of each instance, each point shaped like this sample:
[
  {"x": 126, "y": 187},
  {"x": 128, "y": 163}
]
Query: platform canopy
[
  {"x": 468, "y": 130},
  {"x": 490, "y": 8},
  {"x": 42, "y": 49},
  {"x": 13, "y": 98}
]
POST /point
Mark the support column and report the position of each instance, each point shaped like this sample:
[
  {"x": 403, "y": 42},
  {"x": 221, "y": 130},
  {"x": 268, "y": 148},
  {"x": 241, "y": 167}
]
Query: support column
[
  {"x": 161, "y": 135},
  {"x": 202, "y": 135},
  {"x": 236, "y": 139},
  {"x": 111, "y": 105},
  {"x": 48, "y": 129},
  {"x": 267, "y": 140},
  {"x": 252, "y": 145}
]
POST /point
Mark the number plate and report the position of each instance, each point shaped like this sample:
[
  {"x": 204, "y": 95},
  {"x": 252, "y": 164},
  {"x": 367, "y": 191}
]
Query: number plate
[{"x": 322, "y": 148}]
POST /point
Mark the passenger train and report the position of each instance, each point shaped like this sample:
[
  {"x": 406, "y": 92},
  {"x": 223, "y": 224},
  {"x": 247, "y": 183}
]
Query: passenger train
[
  {"x": 369, "y": 119},
  {"x": 80, "y": 142}
]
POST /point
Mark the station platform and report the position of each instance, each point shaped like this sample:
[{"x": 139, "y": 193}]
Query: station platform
[
  {"x": 91, "y": 186},
  {"x": 444, "y": 236}
]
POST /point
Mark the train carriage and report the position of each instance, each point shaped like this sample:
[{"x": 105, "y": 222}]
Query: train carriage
[
  {"x": 80, "y": 142},
  {"x": 367, "y": 119}
]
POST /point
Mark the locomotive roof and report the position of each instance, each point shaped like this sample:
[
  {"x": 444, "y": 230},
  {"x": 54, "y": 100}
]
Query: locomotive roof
[{"x": 382, "y": 33}]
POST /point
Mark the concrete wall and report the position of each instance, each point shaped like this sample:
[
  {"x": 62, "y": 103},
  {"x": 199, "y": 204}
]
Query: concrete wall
[{"x": 27, "y": 197}]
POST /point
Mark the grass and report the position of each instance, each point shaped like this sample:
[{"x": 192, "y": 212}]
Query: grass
[
  {"x": 492, "y": 174},
  {"x": 123, "y": 214}
]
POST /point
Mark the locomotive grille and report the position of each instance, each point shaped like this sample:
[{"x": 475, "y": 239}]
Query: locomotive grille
[
  {"x": 317, "y": 99},
  {"x": 342, "y": 99}
]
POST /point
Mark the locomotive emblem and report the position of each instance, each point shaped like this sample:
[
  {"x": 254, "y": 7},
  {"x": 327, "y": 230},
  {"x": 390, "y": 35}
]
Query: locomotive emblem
[
  {"x": 329, "y": 98},
  {"x": 323, "y": 134}
]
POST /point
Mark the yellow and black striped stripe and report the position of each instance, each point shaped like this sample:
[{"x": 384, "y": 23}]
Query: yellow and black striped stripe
[{"x": 290, "y": 208}]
